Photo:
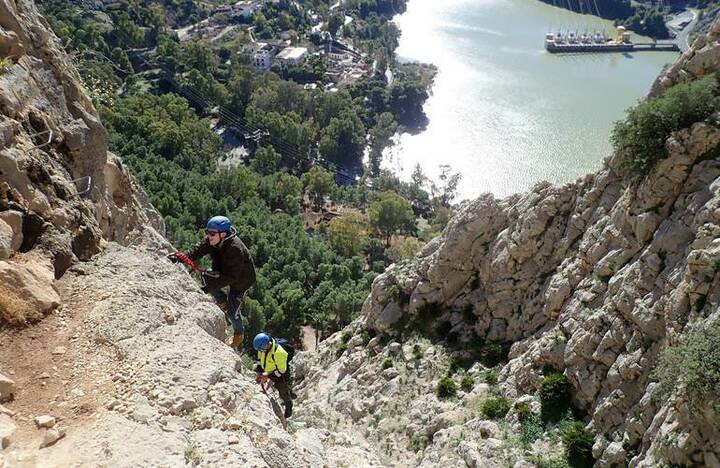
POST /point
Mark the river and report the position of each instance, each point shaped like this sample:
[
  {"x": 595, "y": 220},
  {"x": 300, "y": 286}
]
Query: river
[{"x": 504, "y": 113}]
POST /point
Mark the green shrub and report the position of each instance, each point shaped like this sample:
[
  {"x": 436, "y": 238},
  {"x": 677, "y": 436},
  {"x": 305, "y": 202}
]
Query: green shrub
[
  {"x": 531, "y": 429},
  {"x": 387, "y": 363},
  {"x": 467, "y": 383},
  {"x": 490, "y": 376},
  {"x": 523, "y": 411},
  {"x": 492, "y": 354},
  {"x": 578, "y": 444},
  {"x": 365, "y": 337},
  {"x": 429, "y": 311},
  {"x": 496, "y": 408},
  {"x": 4, "y": 64},
  {"x": 557, "y": 462},
  {"x": 446, "y": 388},
  {"x": 341, "y": 349},
  {"x": 399, "y": 295},
  {"x": 417, "y": 351},
  {"x": 455, "y": 364},
  {"x": 642, "y": 135},
  {"x": 554, "y": 393},
  {"x": 346, "y": 337},
  {"x": 192, "y": 455},
  {"x": 693, "y": 365}
]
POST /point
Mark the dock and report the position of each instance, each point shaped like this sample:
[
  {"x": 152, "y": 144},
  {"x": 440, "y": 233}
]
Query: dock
[
  {"x": 572, "y": 43},
  {"x": 578, "y": 48}
]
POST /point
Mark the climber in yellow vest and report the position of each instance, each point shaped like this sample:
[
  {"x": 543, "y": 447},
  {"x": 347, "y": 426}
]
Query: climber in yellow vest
[{"x": 274, "y": 356}]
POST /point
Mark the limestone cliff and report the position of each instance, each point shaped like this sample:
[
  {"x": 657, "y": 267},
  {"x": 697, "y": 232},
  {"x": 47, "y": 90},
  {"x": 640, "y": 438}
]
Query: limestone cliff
[
  {"x": 595, "y": 278},
  {"x": 127, "y": 364},
  {"x": 61, "y": 193},
  {"x": 134, "y": 371}
]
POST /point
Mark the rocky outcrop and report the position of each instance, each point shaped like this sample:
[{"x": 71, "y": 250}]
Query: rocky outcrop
[
  {"x": 703, "y": 58},
  {"x": 61, "y": 193},
  {"x": 161, "y": 387},
  {"x": 595, "y": 279}
]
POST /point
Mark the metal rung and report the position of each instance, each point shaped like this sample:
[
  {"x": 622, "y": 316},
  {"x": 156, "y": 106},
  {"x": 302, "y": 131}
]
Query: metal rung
[
  {"x": 41, "y": 133},
  {"x": 87, "y": 184}
]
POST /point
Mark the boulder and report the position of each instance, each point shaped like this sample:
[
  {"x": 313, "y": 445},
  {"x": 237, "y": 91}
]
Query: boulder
[
  {"x": 7, "y": 388},
  {"x": 6, "y": 237},
  {"x": 27, "y": 290},
  {"x": 7, "y": 429},
  {"x": 52, "y": 435},
  {"x": 46, "y": 421},
  {"x": 14, "y": 219}
]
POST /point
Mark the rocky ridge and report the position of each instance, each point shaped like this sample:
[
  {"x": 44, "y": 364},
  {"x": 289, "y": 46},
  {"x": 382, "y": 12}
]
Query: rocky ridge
[
  {"x": 62, "y": 194},
  {"x": 152, "y": 382},
  {"x": 594, "y": 279}
]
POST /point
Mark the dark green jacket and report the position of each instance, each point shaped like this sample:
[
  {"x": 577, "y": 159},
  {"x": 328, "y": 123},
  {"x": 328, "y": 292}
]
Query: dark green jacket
[{"x": 231, "y": 259}]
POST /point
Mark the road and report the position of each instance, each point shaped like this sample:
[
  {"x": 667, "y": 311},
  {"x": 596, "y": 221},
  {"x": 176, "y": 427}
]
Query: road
[{"x": 688, "y": 17}]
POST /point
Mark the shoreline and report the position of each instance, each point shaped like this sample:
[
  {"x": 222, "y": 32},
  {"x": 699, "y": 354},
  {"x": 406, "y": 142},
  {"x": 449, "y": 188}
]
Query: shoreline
[{"x": 487, "y": 111}]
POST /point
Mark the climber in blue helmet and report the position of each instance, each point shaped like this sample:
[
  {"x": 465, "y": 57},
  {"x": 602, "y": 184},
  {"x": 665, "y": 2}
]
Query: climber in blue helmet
[
  {"x": 232, "y": 269},
  {"x": 274, "y": 356}
]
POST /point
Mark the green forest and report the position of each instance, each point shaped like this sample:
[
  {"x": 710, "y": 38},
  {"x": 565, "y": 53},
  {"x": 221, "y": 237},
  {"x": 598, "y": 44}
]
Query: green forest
[{"x": 320, "y": 222}]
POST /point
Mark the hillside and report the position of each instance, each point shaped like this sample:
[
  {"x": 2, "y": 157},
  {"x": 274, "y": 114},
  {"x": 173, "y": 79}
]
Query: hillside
[{"x": 567, "y": 326}]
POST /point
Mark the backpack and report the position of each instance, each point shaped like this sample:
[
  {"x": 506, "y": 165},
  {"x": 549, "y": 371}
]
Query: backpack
[{"x": 289, "y": 348}]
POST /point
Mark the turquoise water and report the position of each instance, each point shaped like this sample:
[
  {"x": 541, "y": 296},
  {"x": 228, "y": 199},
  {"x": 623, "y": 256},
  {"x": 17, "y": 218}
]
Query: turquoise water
[{"x": 503, "y": 112}]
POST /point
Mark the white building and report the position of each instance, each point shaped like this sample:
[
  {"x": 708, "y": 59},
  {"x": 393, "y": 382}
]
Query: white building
[
  {"x": 262, "y": 58},
  {"x": 292, "y": 55}
]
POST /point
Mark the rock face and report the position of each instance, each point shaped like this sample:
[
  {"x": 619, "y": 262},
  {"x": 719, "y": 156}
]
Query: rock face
[
  {"x": 61, "y": 192},
  {"x": 594, "y": 278},
  {"x": 702, "y": 59},
  {"x": 176, "y": 394}
]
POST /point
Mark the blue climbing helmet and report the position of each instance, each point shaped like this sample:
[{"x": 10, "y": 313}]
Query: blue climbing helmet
[
  {"x": 261, "y": 341},
  {"x": 220, "y": 223}
]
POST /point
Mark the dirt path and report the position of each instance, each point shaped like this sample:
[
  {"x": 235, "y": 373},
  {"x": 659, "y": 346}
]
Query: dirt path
[{"x": 60, "y": 372}]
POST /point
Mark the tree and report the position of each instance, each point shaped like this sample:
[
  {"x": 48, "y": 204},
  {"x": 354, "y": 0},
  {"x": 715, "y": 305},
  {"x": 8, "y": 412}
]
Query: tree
[
  {"x": 265, "y": 161},
  {"x": 418, "y": 177},
  {"x": 347, "y": 234},
  {"x": 404, "y": 250},
  {"x": 448, "y": 186},
  {"x": 241, "y": 87},
  {"x": 381, "y": 61},
  {"x": 288, "y": 190},
  {"x": 334, "y": 24},
  {"x": 283, "y": 191},
  {"x": 380, "y": 136},
  {"x": 343, "y": 140},
  {"x": 390, "y": 214},
  {"x": 207, "y": 86},
  {"x": 121, "y": 60},
  {"x": 318, "y": 183},
  {"x": 200, "y": 56},
  {"x": 405, "y": 100},
  {"x": 296, "y": 133}
]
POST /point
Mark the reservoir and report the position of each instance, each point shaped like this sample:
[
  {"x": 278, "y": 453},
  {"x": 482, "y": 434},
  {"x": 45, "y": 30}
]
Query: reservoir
[{"x": 505, "y": 113}]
